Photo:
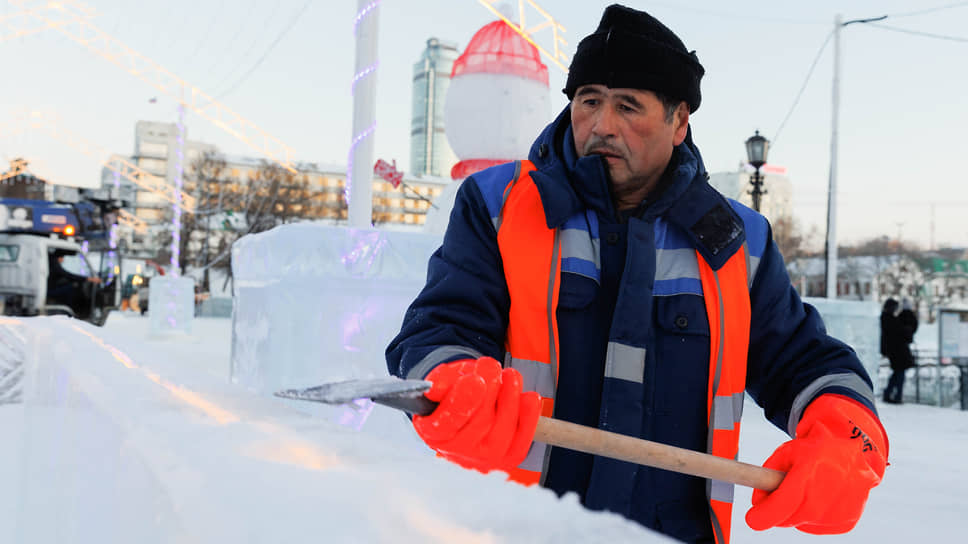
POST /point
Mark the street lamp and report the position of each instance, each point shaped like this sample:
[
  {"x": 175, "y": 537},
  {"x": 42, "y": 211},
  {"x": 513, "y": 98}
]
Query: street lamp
[{"x": 756, "y": 149}]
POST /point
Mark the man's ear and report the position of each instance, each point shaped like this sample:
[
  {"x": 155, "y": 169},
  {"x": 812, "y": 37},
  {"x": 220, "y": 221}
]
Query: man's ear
[{"x": 681, "y": 121}]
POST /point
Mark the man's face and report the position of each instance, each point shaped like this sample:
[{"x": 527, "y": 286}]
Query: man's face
[{"x": 628, "y": 127}]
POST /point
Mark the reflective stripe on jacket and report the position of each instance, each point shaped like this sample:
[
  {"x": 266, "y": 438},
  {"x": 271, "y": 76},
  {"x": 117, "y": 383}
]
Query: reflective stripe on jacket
[{"x": 534, "y": 255}]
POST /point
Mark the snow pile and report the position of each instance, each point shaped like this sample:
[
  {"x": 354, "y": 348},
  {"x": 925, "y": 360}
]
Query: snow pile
[
  {"x": 124, "y": 443},
  {"x": 152, "y": 432}
]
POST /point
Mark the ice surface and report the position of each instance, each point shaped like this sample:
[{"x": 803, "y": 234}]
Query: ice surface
[
  {"x": 264, "y": 477},
  {"x": 125, "y": 441}
]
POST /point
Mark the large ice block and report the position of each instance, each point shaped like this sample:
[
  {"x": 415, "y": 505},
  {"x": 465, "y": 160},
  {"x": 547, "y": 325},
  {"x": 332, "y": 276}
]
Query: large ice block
[
  {"x": 317, "y": 303},
  {"x": 855, "y": 322},
  {"x": 171, "y": 304}
]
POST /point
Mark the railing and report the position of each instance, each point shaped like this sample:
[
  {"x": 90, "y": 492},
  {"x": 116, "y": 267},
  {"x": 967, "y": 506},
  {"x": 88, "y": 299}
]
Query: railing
[{"x": 930, "y": 381}]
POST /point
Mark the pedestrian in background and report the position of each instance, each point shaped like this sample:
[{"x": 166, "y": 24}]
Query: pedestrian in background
[{"x": 897, "y": 333}]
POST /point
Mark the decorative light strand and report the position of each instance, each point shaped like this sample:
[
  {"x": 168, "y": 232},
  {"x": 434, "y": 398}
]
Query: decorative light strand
[
  {"x": 114, "y": 233},
  {"x": 177, "y": 190},
  {"x": 366, "y": 71},
  {"x": 349, "y": 161},
  {"x": 363, "y": 13},
  {"x": 172, "y": 305}
]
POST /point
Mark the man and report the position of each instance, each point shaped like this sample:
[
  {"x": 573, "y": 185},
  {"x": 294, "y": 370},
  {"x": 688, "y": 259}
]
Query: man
[
  {"x": 68, "y": 288},
  {"x": 613, "y": 281}
]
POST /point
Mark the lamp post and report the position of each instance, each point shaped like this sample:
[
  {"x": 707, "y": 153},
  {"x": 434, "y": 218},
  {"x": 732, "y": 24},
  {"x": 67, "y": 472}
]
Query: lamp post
[{"x": 756, "y": 149}]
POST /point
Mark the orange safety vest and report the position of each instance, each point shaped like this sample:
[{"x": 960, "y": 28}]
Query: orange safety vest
[{"x": 531, "y": 253}]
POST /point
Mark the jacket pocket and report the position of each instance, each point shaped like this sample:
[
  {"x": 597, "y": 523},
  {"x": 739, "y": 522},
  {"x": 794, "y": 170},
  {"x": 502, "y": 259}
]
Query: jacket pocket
[
  {"x": 682, "y": 315},
  {"x": 576, "y": 291}
]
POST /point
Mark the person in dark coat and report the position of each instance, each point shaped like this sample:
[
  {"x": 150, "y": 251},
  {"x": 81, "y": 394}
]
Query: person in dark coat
[
  {"x": 68, "y": 288},
  {"x": 605, "y": 282},
  {"x": 897, "y": 333}
]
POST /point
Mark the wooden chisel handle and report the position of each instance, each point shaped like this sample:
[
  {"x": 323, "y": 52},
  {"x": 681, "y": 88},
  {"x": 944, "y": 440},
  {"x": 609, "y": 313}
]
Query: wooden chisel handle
[{"x": 645, "y": 452}]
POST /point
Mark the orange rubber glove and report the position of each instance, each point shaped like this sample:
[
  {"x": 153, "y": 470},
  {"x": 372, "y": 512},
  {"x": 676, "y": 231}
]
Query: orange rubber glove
[
  {"x": 839, "y": 454},
  {"x": 483, "y": 420}
]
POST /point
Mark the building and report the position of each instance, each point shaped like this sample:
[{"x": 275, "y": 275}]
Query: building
[
  {"x": 430, "y": 153},
  {"x": 776, "y": 204},
  {"x": 154, "y": 152},
  {"x": 928, "y": 281},
  {"x": 315, "y": 193}
]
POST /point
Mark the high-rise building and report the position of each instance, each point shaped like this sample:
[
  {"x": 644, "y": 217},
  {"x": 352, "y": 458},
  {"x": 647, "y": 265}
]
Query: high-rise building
[{"x": 430, "y": 153}]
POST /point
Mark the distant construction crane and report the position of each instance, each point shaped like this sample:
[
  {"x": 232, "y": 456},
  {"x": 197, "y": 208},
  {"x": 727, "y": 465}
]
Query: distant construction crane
[
  {"x": 128, "y": 170},
  {"x": 17, "y": 167},
  {"x": 71, "y": 19}
]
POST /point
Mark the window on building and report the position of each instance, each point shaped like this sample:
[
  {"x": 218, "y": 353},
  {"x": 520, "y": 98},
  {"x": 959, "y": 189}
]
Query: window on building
[
  {"x": 153, "y": 149},
  {"x": 153, "y": 166}
]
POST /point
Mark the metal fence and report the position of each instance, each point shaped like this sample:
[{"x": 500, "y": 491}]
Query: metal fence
[{"x": 931, "y": 382}]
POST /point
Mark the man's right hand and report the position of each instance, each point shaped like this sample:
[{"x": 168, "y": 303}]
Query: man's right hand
[{"x": 483, "y": 420}]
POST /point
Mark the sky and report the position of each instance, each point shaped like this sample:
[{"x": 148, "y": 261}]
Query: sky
[
  {"x": 287, "y": 65},
  {"x": 199, "y": 460}
]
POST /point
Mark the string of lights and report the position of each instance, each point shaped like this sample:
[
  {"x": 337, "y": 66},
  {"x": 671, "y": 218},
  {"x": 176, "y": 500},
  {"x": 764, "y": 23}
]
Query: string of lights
[{"x": 366, "y": 72}]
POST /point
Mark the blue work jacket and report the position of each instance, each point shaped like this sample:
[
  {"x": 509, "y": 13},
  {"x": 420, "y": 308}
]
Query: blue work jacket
[{"x": 463, "y": 312}]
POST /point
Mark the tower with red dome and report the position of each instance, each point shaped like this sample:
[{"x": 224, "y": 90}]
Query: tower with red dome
[{"x": 498, "y": 100}]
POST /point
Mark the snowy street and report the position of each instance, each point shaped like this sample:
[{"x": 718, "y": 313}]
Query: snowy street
[{"x": 207, "y": 461}]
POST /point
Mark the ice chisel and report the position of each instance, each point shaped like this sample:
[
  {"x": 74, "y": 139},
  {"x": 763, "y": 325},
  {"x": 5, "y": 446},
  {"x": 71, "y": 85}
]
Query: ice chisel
[{"x": 407, "y": 395}]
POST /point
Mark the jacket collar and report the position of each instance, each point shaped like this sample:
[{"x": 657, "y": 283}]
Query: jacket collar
[{"x": 568, "y": 183}]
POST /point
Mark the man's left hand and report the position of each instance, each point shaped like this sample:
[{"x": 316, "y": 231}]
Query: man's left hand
[{"x": 839, "y": 454}]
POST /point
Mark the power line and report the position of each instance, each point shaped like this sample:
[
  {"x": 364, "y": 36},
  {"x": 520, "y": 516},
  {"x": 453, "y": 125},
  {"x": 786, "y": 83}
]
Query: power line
[
  {"x": 285, "y": 31},
  {"x": 928, "y": 10},
  {"x": 776, "y": 135},
  {"x": 206, "y": 32},
  {"x": 244, "y": 56},
  {"x": 231, "y": 41},
  {"x": 919, "y": 33},
  {"x": 744, "y": 17}
]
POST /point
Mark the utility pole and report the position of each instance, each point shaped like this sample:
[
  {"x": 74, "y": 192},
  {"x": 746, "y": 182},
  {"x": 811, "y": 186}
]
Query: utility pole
[{"x": 831, "y": 244}]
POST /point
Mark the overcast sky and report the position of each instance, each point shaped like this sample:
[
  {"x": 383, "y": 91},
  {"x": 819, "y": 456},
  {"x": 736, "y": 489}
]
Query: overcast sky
[{"x": 286, "y": 65}]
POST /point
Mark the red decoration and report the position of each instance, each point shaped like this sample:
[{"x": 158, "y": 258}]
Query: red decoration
[
  {"x": 472, "y": 166},
  {"x": 388, "y": 172},
  {"x": 499, "y": 49}
]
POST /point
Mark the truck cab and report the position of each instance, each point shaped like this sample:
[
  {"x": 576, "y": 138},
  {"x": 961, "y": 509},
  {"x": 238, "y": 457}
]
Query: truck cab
[{"x": 43, "y": 269}]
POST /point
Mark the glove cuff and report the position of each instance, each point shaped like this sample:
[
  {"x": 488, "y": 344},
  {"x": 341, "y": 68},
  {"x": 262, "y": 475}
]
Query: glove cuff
[{"x": 857, "y": 421}]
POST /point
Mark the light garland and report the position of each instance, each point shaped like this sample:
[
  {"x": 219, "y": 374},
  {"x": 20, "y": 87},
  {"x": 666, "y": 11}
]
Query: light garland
[
  {"x": 363, "y": 13},
  {"x": 172, "y": 303},
  {"x": 177, "y": 190},
  {"x": 369, "y": 71},
  {"x": 349, "y": 161},
  {"x": 365, "y": 72},
  {"x": 114, "y": 233}
]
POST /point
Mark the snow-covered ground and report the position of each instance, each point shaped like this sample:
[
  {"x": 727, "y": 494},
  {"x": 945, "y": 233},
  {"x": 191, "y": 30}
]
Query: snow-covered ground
[{"x": 372, "y": 485}]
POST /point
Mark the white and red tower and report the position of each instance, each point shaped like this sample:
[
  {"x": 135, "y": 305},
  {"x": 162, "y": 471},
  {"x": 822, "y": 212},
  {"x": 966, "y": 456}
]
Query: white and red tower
[{"x": 498, "y": 100}]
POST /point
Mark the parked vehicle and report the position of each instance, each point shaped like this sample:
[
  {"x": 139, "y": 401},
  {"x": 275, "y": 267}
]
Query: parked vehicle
[{"x": 43, "y": 270}]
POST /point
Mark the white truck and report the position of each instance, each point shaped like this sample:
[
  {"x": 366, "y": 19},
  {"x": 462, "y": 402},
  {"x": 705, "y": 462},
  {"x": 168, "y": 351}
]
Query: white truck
[{"x": 32, "y": 237}]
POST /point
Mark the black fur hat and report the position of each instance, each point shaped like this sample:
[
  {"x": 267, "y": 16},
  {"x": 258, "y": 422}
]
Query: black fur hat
[{"x": 632, "y": 49}]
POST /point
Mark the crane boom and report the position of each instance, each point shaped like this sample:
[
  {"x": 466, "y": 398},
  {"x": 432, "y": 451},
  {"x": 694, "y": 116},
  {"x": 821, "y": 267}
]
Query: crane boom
[{"x": 75, "y": 26}]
